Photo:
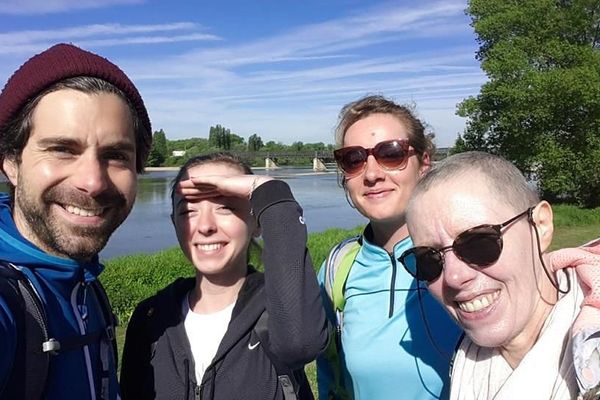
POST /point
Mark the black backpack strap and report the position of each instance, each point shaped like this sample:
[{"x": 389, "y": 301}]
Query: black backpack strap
[
  {"x": 109, "y": 317},
  {"x": 285, "y": 375},
  {"x": 30, "y": 367}
]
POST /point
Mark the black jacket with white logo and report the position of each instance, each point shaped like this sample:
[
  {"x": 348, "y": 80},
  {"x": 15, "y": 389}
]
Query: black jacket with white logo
[{"x": 157, "y": 359}]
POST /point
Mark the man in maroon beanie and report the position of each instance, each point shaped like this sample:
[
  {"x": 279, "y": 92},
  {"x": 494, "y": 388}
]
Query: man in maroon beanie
[{"x": 74, "y": 133}]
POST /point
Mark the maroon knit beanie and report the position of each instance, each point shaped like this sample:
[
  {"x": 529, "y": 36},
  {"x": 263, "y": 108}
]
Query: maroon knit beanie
[{"x": 64, "y": 61}]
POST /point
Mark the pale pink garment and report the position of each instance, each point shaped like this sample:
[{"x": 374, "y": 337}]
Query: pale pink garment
[{"x": 586, "y": 327}]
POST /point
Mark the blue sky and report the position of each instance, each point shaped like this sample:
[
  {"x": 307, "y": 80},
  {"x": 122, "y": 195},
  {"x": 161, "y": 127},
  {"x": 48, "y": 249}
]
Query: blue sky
[{"x": 281, "y": 69}]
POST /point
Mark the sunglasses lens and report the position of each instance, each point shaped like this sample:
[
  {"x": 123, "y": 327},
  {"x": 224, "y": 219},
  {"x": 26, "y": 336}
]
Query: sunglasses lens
[
  {"x": 392, "y": 154},
  {"x": 351, "y": 159},
  {"x": 480, "y": 246},
  {"x": 424, "y": 263}
]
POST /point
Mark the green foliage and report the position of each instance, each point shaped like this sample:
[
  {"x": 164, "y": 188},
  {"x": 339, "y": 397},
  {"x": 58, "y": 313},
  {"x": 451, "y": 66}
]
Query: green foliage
[
  {"x": 321, "y": 243},
  {"x": 255, "y": 143},
  {"x": 460, "y": 146},
  {"x": 541, "y": 105},
  {"x": 158, "y": 151},
  {"x": 298, "y": 146},
  {"x": 237, "y": 142},
  {"x": 130, "y": 279},
  {"x": 571, "y": 216},
  {"x": 275, "y": 146},
  {"x": 189, "y": 145},
  {"x": 221, "y": 138}
]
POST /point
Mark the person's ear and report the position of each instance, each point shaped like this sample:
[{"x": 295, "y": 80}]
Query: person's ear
[
  {"x": 425, "y": 164},
  {"x": 544, "y": 223},
  {"x": 11, "y": 169}
]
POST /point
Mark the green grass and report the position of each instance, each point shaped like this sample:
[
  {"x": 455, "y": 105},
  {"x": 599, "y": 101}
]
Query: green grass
[{"x": 130, "y": 279}]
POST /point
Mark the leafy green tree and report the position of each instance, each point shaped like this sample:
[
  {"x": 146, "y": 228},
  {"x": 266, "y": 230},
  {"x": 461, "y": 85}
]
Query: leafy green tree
[
  {"x": 158, "y": 151},
  {"x": 221, "y": 138},
  {"x": 191, "y": 146},
  {"x": 271, "y": 145},
  {"x": 159, "y": 142},
  {"x": 541, "y": 105},
  {"x": 298, "y": 146},
  {"x": 459, "y": 146},
  {"x": 255, "y": 143},
  {"x": 237, "y": 141}
]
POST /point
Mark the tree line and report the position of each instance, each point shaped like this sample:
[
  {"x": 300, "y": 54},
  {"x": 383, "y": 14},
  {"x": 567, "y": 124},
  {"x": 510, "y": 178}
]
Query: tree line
[{"x": 165, "y": 152}]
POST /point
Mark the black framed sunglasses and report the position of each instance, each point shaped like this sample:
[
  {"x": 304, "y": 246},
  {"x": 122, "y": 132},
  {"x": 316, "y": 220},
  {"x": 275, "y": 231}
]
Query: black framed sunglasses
[
  {"x": 480, "y": 246},
  {"x": 389, "y": 154}
]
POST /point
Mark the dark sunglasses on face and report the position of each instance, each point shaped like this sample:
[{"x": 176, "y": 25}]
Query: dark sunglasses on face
[
  {"x": 389, "y": 154},
  {"x": 480, "y": 246}
]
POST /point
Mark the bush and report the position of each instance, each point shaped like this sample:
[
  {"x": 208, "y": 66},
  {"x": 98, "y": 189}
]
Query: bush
[
  {"x": 130, "y": 279},
  {"x": 569, "y": 215}
]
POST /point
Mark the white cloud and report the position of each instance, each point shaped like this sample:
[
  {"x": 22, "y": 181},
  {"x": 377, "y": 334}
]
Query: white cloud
[
  {"x": 290, "y": 85},
  {"x": 28, "y": 7},
  {"x": 101, "y": 35}
]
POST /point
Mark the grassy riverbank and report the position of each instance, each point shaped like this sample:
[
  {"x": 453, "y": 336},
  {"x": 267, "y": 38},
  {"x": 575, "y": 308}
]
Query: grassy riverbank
[{"x": 130, "y": 279}]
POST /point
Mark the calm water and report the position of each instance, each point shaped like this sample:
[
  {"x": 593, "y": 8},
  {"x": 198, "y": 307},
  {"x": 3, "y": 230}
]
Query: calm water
[{"x": 148, "y": 228}]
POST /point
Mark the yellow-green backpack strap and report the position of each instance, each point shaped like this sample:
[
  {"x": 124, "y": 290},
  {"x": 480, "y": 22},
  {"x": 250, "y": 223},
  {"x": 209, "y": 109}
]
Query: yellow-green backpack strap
[
  {"x": 335, "y": 259},
  {"x": 341, "y": 275},
  {"x": 337, "y": 268}
]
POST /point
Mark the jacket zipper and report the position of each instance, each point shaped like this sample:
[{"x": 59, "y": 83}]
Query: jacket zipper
[
  {"x": 80, "y": 312},
  {"x": 188, "y": 381},
  {"x": 392, "y": 286}
]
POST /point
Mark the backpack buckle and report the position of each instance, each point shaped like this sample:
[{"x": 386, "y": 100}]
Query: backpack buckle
[
  {"x": 51, "y": 346},
  {"x": 110, "y": 332}
]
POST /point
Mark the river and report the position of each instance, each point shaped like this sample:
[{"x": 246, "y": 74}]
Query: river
[{"x": 148, "y": 228}]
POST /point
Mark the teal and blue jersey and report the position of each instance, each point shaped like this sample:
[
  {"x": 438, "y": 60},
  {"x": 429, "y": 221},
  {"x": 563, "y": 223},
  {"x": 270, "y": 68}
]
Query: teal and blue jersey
[{"x": 397, "y": 341}]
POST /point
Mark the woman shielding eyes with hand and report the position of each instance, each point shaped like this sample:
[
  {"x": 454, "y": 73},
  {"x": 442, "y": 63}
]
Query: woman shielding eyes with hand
[{"x": 230, "y": 332}]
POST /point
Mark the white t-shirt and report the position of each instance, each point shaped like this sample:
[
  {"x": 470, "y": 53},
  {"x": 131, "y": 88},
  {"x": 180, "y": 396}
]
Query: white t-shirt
[{"x": 205, "y": 332}]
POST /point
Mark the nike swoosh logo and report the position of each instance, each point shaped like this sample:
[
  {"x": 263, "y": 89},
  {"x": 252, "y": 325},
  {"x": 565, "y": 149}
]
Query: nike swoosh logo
[{"x": 253, "y": 346}]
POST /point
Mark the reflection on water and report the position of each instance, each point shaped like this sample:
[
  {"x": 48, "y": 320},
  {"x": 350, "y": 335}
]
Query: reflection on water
[{"x": 148, "y": 228}]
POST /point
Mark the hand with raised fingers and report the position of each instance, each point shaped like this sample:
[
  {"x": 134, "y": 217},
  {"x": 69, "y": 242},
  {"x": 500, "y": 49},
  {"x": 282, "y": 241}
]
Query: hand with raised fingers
[{"x": 207, "y": 186}]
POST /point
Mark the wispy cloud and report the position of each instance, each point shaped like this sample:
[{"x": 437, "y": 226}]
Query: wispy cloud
[
  {"x": 29, "y": 7},
  {"x": 90, "y": 35},
  {"x": 320, "y": 67},
  {"x": 147, "y": 40},
  {"x": 289, "y": 84},
  {"x": 366, "y": 29}
]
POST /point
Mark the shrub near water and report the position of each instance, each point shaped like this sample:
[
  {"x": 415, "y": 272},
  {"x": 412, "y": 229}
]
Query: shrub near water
[
  {"x": 567, "y": 215},
  {"x": 130, "y": 279}
]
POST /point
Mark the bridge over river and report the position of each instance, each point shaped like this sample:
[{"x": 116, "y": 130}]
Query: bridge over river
[{"x": 320, "y": 158}]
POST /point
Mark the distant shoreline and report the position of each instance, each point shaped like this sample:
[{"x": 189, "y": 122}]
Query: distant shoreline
[
  {"x": 157, "y": 169},
  {"x": 162, "y": 169}
]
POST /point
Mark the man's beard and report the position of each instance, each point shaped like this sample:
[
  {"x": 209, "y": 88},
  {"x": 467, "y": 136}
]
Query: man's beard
[{"x": 62, "y": 238}]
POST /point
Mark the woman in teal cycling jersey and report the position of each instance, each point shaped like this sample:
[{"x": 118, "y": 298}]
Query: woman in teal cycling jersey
[{"x": 385, "y": 346}]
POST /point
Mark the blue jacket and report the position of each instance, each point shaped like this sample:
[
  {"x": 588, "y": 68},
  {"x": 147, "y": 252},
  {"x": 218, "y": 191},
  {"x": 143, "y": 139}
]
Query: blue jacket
[
  {"x": 72, "y": 310},
  {"x": 387, "y": 350}
]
